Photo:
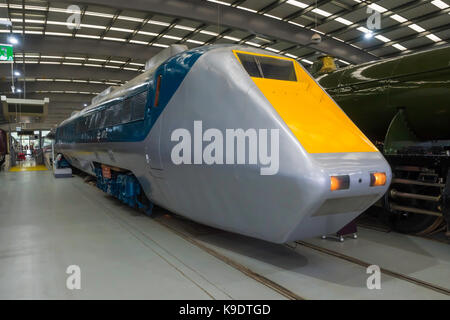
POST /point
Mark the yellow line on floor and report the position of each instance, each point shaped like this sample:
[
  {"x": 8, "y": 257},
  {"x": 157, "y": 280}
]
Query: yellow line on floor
[{"x": 23, "y": 169}]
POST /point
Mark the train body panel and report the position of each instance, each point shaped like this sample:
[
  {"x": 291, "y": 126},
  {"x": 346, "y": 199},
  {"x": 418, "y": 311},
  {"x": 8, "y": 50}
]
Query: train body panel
[
  {"x": 312, "y": 116},
  {"x": 215, "y": 96}
]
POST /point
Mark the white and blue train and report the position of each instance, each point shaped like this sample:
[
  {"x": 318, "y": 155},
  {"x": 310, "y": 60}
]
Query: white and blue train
[{"x": 231, "y": 137}]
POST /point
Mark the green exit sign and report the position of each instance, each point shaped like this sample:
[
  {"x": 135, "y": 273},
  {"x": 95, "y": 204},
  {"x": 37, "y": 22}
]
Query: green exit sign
[{"x": 6, "y": 52}]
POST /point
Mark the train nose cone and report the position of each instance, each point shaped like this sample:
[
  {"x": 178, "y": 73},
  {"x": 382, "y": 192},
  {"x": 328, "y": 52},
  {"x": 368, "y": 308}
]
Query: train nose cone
[
  {"x": 325, "y": 143},
  {"x": 313, "y": 117},
  {"x": 332, "y": 208}
]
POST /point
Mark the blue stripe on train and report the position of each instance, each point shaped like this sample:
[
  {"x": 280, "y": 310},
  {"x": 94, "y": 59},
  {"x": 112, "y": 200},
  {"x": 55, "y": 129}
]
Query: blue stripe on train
[{"x": 173, "y": 72}]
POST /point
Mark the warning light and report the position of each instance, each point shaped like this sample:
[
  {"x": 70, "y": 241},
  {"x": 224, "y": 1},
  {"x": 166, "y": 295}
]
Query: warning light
[
  {"x": 377, "y": 179},
  {"x": 339, "y": 183}
]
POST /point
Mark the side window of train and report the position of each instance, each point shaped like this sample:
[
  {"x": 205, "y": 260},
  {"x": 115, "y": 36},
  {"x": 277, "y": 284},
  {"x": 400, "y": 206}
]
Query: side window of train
[
  {"x": 98, "y": 120},
  {"x": 92, "y": 123},
  {"x": 102, "y": 119},
  {"x": 82, "y": 124},
  {"x": 139, "y": 102},
  {"x": 127, "y": 108},
  {"x": 116, "y": 114},
  {"x": 79, "y": 125},
  {"x": 109, "y": 116},
  {"x": 86, "y": 121}
]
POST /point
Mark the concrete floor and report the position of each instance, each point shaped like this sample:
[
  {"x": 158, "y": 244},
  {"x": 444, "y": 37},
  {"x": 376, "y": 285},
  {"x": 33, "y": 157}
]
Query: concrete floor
[
  {"x": 315, "y": 275},
  {"x": 47, "y": 224}
]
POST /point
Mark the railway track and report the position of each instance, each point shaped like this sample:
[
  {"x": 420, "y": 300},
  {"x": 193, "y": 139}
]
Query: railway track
[
  {"x": 385, "y": 230},
  {"x": 431, "y": 234},
  {"x": 288, "y": 293},
  {"x": 246, "y": 271},
  {"x": 385, "y": 271},
  {"x": 238, "y": 266},
  {"x": 190, "y": 237}
]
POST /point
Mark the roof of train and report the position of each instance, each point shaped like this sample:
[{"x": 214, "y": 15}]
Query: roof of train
[{"x": 139, "y": 81}]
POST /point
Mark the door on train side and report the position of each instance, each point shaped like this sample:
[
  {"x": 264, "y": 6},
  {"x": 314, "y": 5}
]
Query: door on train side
[{"x": 153, "y": 147}]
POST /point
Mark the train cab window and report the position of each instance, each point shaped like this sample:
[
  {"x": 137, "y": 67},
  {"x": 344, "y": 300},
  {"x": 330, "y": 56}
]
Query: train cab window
[
  {"x": 278, "y": 69},
  {"x": 250, "y": 65},
  {"x": 139, "y": 102},
  {"x": 268, "y": 67}
]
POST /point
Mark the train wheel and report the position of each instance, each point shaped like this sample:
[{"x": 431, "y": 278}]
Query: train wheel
[{"x": 408, "y": 222}]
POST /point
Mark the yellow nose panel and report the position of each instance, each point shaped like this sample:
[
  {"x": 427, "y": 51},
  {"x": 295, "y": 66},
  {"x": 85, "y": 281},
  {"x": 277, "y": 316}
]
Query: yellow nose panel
[{"x": 313, "y": 117}]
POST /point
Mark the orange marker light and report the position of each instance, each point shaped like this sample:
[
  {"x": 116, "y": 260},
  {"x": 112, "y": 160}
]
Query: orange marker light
[
  {"x": 377, "y": 179},
  {"x": 339, "y": 183}
]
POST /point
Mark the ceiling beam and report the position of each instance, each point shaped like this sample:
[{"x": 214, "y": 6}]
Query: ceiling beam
[
  {"x": 271, "y": 6},
  {"x": 63, "y": 98},
  {"x": 47, "y": 45},
  {"x": 5, "y": 88},
  {"x": 411, "y": 37},
  {"x": 422, "y": 47},
  {"x": 397, "y": 26},
  {"x": 304, "y": 11},
  {"x": 362, "y": 22},
  {"x": 231, "y": 17},
  {"x": 52, "y": 71}
]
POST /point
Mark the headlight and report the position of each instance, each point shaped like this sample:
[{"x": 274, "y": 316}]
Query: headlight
[
  {"x": 377, "y": 179},
  {"x": 339, "y": 183}
]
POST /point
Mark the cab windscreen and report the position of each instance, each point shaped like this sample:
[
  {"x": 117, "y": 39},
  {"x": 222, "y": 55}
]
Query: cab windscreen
[{"x": 268, "y": 67}]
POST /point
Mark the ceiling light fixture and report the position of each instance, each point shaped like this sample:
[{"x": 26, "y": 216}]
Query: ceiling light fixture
[{"x": 13, "y": 40}]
